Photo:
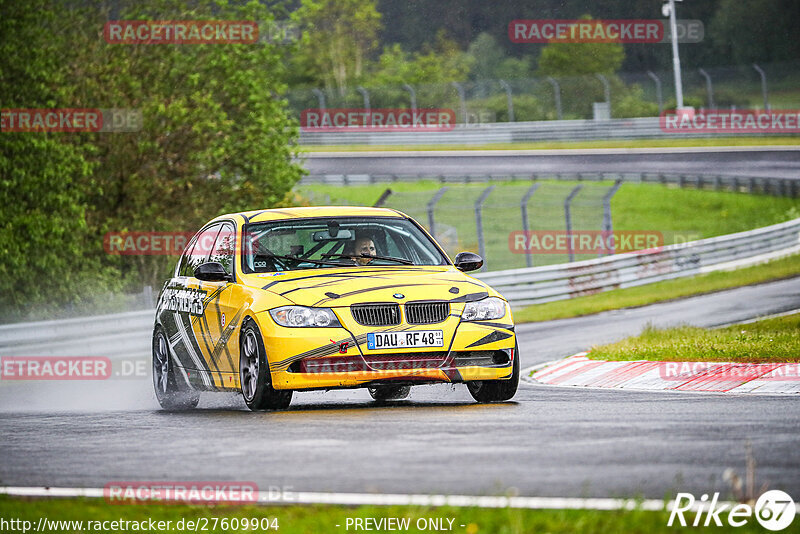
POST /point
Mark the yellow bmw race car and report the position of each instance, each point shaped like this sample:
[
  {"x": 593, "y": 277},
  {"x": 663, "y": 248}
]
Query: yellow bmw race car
[{"x": 273, "y": 301}]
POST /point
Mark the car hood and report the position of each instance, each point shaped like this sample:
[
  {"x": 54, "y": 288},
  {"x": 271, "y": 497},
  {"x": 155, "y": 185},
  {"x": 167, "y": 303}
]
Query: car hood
[{"x": 343, "y": 287}]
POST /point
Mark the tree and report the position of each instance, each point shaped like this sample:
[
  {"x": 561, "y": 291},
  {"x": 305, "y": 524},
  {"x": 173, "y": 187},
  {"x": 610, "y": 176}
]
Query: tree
[
  {"x": 216, "y": 137},
  {"x": 440, "y": 62},
  {"x": 337, "y": 39},
  {"x": 756, "y": 31},
  {"x": 42, "y": 231},
  {"x": 577, "y": 59},
  {"x": 492, "y": 62}
]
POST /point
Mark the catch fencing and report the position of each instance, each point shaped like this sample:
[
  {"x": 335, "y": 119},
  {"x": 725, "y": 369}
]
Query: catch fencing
[
  {"x": 523, "y": 287},
  {"x": 618, "y": 106},
  {"x": 480, "y": 212}
]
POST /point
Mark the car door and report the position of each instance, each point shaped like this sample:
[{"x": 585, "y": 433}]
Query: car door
[
  {"x": 181, "y": 310},
  {"x": 222, "y": 314}
]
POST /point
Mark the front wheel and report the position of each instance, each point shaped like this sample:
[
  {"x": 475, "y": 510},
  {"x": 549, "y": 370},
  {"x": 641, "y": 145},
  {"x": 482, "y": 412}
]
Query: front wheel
[
  {"x": 389, "y": 393},
  {"x": 497, "y": 390},
  {"x": 170, "y": 396},
  {"x": 254, "y": 375}
]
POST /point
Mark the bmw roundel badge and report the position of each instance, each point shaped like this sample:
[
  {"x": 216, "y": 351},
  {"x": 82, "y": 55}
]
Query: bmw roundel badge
[{"x": 398, "y": 296}]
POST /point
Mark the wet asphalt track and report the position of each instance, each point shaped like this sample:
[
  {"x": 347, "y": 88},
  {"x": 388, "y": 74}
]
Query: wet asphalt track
[
  {"x": 778, "y": 163},
  {"x": 546, "y": 442}
]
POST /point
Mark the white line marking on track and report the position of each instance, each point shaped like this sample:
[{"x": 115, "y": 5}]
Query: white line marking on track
[{"x": 390, "y": 499}]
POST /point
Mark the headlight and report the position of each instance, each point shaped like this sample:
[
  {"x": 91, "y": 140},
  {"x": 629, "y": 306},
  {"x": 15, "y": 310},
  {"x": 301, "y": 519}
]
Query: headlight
[
  {"x": 300, "y": 316},
  {"x": 484, "y": 310}
]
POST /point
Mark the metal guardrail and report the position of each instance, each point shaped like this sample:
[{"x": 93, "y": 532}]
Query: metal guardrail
[
  {"x": 512, "y": 132},
  {"x": 130, "y": 332},
  {"x": 549, "y": 283},
  {"x": 788, "y": 187},
  {"x": 119, "y": 333}
]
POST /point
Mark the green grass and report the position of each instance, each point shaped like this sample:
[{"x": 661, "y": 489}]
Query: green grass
[
  {"x": 660, "y": 291},
  {"x": 557, "y": 145},
  {"x": 770, "y": 340},
  {"x": 323, "y": 519}
]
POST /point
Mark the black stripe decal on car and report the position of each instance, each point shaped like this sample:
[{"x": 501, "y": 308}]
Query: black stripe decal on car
[{"x": 491, "y": 338}]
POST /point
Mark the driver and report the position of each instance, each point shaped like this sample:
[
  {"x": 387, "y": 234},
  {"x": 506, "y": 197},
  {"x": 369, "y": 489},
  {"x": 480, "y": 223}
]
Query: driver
[{"x": 364, "y": 245}]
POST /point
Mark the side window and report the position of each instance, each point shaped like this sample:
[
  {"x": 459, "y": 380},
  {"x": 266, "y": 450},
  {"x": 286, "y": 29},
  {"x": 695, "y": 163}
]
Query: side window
[
  {"x": 203, "y": 243},
  {"x": 394, "y": 248},
  {"x": 224, "y": 247},
  {"x": 182, "y": 269}
]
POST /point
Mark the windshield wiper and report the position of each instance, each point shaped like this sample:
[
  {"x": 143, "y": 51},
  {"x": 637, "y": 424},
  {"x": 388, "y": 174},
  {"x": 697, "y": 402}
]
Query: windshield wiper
[
  {"x": 296, "y": 258},
  {"x": 365, "y": 255}
]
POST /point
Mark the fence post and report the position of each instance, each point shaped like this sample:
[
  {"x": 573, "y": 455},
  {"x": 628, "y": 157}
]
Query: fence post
[
  {"x": 568, "y": 220},
  {"x": 557, "y": 95},
  {"x": 479, "y": 223},
  {"x": 607, "y": 224},
  {"x": 147, "y": 297},
  {"x": 659, "y": 94},
  {"x": 365, "y": 94},
  {"x": 709, "y": 87},
  {"x": 321, "y": 97},
  {"x": 431, "y": 205},
  {"x": 463, "y": 100},
  {"x": 606, "y": 89},
  {"x": 509, "y": 99},
  {"x": 763, "y": 75},
  {"x": 413, "y": 96},
  {"x": 382, "y": 199},
  {"x": 523, "y": 206}
]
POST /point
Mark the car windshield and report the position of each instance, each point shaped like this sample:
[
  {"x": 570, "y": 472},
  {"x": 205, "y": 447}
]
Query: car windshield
[{"x": 321, "y": 243}]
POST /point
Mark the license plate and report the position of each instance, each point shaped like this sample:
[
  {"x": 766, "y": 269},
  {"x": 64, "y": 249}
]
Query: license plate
[{"x": 404, "y": 340}]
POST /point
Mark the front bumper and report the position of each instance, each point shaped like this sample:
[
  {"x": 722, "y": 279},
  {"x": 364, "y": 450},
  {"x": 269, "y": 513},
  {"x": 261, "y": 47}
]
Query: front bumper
[{"x": 327, "y": 358}]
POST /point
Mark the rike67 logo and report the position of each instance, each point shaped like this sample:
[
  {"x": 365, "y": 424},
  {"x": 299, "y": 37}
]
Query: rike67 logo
[{"x": 774, "y": 510}]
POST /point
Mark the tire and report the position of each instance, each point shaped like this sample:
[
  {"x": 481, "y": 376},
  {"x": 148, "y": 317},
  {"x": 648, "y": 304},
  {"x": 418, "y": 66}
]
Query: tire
[
  {"x": 497, "y": 390},
  {"x": 254, "y": 376},
  {"x": 389, "y": 393},
  {"x": 169, "y": 394}
]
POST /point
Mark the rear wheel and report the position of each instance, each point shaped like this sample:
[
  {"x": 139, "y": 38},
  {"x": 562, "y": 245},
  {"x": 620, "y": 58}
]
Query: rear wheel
[
  {"x": 497, "y": 390},
  {"x": 254, "y": 375},
  {"x": 170, "y": 395},
  {"x": 387, "y": 393}
]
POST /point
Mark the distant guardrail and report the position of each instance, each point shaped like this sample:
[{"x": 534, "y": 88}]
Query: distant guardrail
[
  {"x": 129, "y": 333},
  {"x": 514, "y": 132},
  {"x": 549, "y": 283}
]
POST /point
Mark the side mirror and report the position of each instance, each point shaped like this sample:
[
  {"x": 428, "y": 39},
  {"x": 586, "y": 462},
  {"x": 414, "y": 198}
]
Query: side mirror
[
  {"x": 212, "y": 271},
  {"x": 468, "y": 261}
]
